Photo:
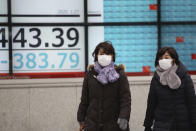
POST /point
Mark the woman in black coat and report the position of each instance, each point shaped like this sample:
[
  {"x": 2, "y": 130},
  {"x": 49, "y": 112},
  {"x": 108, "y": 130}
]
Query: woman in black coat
[
  {"x": 171, "y": 104},
  {"x": 106, "y": 100}
]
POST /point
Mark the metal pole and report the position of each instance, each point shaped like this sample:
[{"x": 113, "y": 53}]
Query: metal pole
[
  {"x": 10, "y": 37},
  {"x": 86, "y": 32},
  {"x": 159, "y": 23}
]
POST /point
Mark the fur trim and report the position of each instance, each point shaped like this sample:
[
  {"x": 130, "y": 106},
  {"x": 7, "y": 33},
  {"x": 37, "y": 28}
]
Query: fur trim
[
  {"x": 90, "y": 67},
  {"x": 121, "y": 66}
]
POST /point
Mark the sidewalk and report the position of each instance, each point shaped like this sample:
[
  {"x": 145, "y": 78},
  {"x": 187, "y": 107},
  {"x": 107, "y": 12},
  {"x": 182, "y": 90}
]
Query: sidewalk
[{"x": 51, "y": 104}]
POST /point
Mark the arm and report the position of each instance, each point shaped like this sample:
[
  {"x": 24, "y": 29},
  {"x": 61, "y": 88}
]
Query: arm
[
  {"x": 125, "y": 97},
  {"x": 190, "y": 98},
  {"x": 151, "y": 105},
  {"x": 84, "y": 101}
]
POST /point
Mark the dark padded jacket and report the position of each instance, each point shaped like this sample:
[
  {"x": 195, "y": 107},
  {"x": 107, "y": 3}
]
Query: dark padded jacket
[
  {"x": 102, "y": 105},
  {"x": 172, "y": 110}
]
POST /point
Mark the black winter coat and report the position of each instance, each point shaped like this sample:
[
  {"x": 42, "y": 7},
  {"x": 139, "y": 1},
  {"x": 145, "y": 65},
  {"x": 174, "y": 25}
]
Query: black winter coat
[
  {"x": 102, "y": 105},
  {"x": 172, "y": 110}
]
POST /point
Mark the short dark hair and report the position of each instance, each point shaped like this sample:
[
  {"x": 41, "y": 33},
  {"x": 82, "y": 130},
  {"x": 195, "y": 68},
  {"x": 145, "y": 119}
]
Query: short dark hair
[
  {"x": 107, "y": 49},
  {"x": 171, "y": 51}
]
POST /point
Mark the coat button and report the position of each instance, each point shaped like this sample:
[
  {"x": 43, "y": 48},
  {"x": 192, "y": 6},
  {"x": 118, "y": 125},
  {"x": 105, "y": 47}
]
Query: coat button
[{"x": 101, "y": 111}]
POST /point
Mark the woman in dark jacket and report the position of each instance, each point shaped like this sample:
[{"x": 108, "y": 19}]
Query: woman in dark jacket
[
  {"x": 106, "y": 100},
  {"x": 171, "y": 102}
]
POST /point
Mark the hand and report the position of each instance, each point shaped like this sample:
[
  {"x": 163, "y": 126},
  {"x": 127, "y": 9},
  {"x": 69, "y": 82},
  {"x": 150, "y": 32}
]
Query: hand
[
  {"x": 123, "y": 123},
  {"x": 81, "y": 126},
  {"x": 147, "y": 129}
]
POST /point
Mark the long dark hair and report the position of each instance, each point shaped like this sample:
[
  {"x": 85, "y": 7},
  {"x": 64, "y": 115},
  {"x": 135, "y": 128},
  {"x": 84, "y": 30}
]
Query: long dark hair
[
  {"x": 107, "y": 48},
  {"x": 171, "y": 51}
]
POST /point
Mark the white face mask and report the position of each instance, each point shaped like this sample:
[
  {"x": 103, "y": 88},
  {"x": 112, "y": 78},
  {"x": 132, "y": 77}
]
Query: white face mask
[
  {"x": 104, "y": 60},
  {"x": 165, "y": 63}
]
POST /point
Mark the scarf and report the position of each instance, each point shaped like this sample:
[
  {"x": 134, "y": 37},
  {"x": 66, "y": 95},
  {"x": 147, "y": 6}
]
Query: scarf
[
  {"x": 169, "y": 77},
  {"x": 106, "y": 74}
]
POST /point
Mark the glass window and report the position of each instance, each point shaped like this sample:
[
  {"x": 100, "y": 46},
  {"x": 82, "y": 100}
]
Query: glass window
[
  {"x": 4, "y": 46},
  {"x": 53, "y": 39},
  {"x": 130, "y": 10},
  {"x": 3, "y": 11},
  {"x": 48, "y": 49},
  {"x": 135, "y": 46},
  {"x": 183, "y": 39},
  {"x": 178, "y": 10},
  {"x": 47, "y": 11}
]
